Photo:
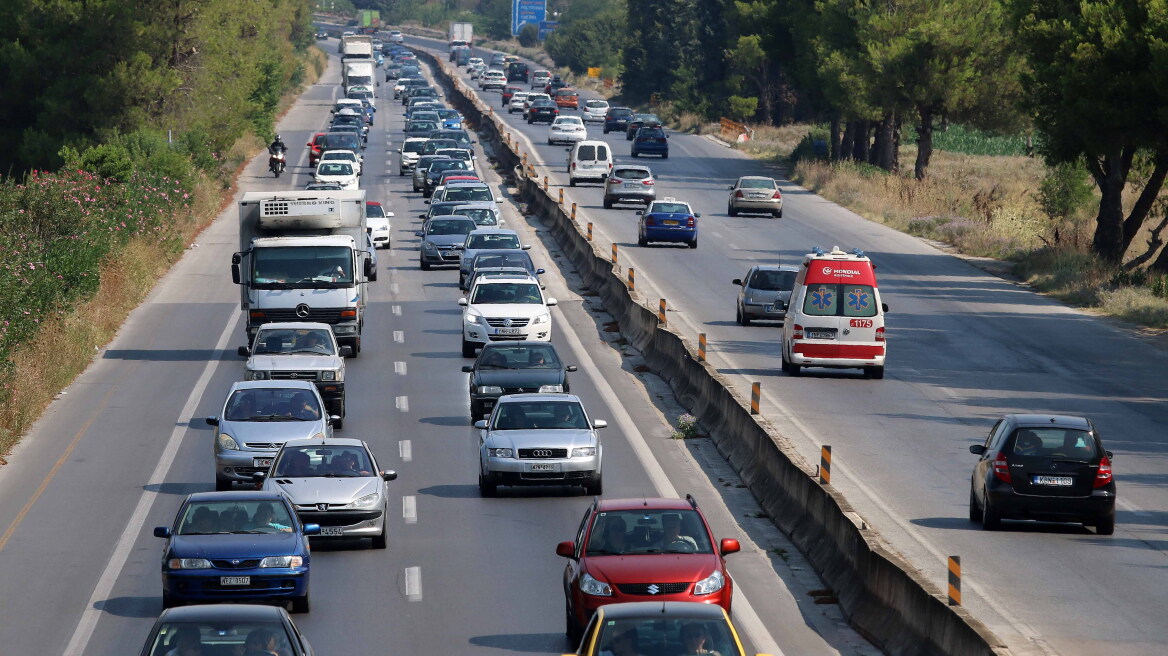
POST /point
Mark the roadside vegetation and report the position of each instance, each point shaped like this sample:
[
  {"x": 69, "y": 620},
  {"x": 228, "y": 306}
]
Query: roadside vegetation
[
  {"x": 117, "y": 159},
  {"x": 1030, "y": 132}
]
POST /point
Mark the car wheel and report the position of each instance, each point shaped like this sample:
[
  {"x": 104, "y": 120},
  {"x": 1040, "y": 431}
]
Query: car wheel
[
  {"x": 744, "y": 320},
  {"x": 665, "y": 156},
  {"x": 301, "y": 605},
  {"x": 607, "y": 203},
  {"x": 570, "y": 628},
  {"x": 595, "y": 487},
  {"x": 633, "y": 154},
  {"x": 731, "y": 211},
  {"x": 425, "y": 266},
  {"x": 974, "y": 511},
  {"x": 991, "y": 520},
  {"x": 641, "y": 241},
  {"x": 380, "y": 541},
  {"x": 875, "y": 373},
  {"x": 373, "y": 276},
  {"x": 571, "y": 182},
  {"x": 693, "y": 243},
  {"x": 222, "y": 485},
  {"x": 1105, "y": 525},
  {"x": 476, "y": 411},
  {"x": 487, "y": 488},
  {"x": 783, "y": 364},
  {"x": 468, "y": 349},
  {"x": 779, "y": 214}
]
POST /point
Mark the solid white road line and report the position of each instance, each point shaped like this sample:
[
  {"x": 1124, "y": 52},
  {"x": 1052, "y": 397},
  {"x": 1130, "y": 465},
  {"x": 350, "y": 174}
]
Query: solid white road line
[
  {"x": 405, "y": 450},
  {"x": 410, "y": 509},
  {"x": 125, "y": 543},
  {"x": 413, "y": 583}
]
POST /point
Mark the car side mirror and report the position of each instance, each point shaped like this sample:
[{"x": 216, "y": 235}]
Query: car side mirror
[
  {"x": 697, "y": 215},
  {"x": 418, "y": 233},
  {"x": 540, "y": 271},
  {"x": 550, "y": 302},
  {"x": 235, "y": 277},
  {"x": 333, "y": 420},
  {"x": 389, "y": 475},
  {"x": 462, "y": 302},
  {"x": 977, "y": 449},
  {"x": 884, "y": 306},
  {"x": 729, "y": 546},
  {"x": 481, "y": 424},
  {"x": 212, "y": 421},
  {"x": 161, "y": 531},
  {"x": 259, "y": 476},
  {"x": 1110, "y": 454},
  {"x": 243, "y": 351},
  {"x": 566, "y": 549},
  {"x": 345, "y": 351},
  {"x": 526, "y": 247},
  {"x": 736, "y": 281},
  {"x": 312, "y": 529},
  {"x": 570, "y": 367},
  {"x": 467, "y": 368},
  {"x": 731, "y": 187},
  {"x": 599, "y": 423}
]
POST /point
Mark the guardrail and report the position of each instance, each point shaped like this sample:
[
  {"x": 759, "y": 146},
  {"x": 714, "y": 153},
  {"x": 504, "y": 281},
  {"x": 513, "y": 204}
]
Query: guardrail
[{"x": 884, "y": 597}]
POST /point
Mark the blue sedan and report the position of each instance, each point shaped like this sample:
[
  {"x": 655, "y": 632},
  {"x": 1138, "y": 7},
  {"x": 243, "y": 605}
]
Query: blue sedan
[
  {"x": 668, "y": 220},
  {"x": 236, "y": 546},
  {"x": 650, "y": 141}
]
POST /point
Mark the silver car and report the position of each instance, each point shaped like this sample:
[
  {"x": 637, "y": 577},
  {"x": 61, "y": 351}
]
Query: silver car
[
  {"x": 765, "y": 293},
  {"x": 483, "y": 239},
  {"x": 539, "y": 439},
  {"x": 634, "y": 184},
  {"x": 258, "y": 417},
  {"x": 753, "y": 193},
  {"x": 334, "y": 483},
  {"x": 300, "y": 351}
]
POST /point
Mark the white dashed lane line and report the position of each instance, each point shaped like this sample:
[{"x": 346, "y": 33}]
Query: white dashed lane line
[
  {"x": 410, "y": 509},
  {"x": 413, "y": 583},
  {"x": 402, "y": 403},
  {"x": 399, "y": 368},
  {"x": 396, "y": 309},
  {"x": 405, "y": 450},
  {"x": 399, "y": 336}
]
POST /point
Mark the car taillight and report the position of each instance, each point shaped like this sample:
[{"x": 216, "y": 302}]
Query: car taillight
[
  {"x": 660, "y": 139},
  {"x": 739, "y": 194},
  {"x": 615, "y": 180},
  {"x": 1103, "y": 476},
  {"x": 573, "y": 165},
  {"x": 1002, "y": 468},
  {"x": 647, "y": 183},
  {"x": 689, "y": 222},
  {"x": 797, "y": 333},
  {"x": 650, "y": 220},
  {"x": 778, "y": 195},
  {"x": 880, "y": 334}
]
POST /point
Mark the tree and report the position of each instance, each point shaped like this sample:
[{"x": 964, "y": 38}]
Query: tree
[
  {"x": 1097, "y": 90},
  {"x": 590, "y": 36}
]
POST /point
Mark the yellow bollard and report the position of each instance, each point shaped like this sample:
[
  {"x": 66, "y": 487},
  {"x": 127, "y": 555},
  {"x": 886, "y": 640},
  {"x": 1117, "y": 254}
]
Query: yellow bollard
[
  {"x": 545, "y": 183},
  {"x": 661, "y": 312},
  {"x": 954, "y": 580},
  {"x": 561, "y": 196},
  {"x": 632, "y": 284},
  {"x": 755, "y": 396},
  {"x": 825, "y": 465},
  {"x": 589, "y": 231},
  {"x": 573, "y": 211},
  {"x": 701, "y": 347},
  {"x": 614, "y": 258}
]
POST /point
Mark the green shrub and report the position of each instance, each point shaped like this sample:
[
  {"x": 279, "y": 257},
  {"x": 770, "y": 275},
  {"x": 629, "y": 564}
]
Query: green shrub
[
  {"x": 529, "y": 35},
  {"x": 1064, "y": 191},
  {"x": 108, "y": 161},
  {"x": 742, "y": 109},
  {"x": 813, "y": 146}
]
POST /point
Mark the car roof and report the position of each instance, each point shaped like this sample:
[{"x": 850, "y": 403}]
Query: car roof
[
  {"x": 651, "y": 503},
  {"x": 454, "y": 217},
  {"x": 755, "y": 177},
  {"x": 636, "y": 167},
  {"x": 296, "y": 325},
  {"x": 222, "y": 613},
  {"x": 236, "y": 495},
  {"x": 341, "y": 151},
  {"x": 332, "y": 441},
  {"x": 1057, "y": 421},
  {"x": 522, "y": 398},
  {"x": 657, "y": 609},
  {"x": 495, "y": 231},
  {"x": 478, "y": 204},
  {"x": 776, "y": 267},
  {"x": 273, "y": 384}
]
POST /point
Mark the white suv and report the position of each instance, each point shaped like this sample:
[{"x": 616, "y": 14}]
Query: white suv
[
  {"x": 493, "y": 80},
  {"x": 505, "y": 309}
]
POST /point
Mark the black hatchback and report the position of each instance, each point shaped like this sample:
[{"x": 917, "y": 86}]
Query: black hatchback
[
  {"x": 1044, "y": 467},
  {"x": 514, "y": 368},
  {"x": 617, "y": 119}
]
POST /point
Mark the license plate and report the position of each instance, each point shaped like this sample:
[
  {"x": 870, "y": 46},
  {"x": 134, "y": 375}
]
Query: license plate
[
  {"x": 332, "y": 531},
  {"x": 234, "y": 580},
  {"x": 261, "y": 463},
  {"x": 773, "y": 307},
  {"x": 1058, "y": 481},
  {"x": 631, "y": 185},
  {"x": 549, "y": 467},
  {"x": 812, "y": 334},
  {"x": 509, "y": 331},
  {"x": 670, "y": 222}
]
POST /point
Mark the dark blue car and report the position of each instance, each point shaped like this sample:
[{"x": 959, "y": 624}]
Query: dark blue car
[
  {"x": 221, "y": 629},
  {"x": 668, "y": 220},
  {"x": 651, "y": 141},
  {"x": 236, "y": 546}
]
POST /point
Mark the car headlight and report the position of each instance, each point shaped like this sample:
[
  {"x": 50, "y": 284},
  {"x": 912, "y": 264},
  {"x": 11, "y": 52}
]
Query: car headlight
[
  {"x": 584, "y": 452},
  {"x": 188, "y": 563},
  {"x": 226, "y": 442},
  {"x": 591, "y": 586},
  {"x": 711, "y": 583},
  {"x": 472, "y": 318},
  {"x": 428, "y": 246},
  {"x": 282, "y": 561},
  {"x": 503, "y": 452},
  {"x": 490, "y": 389},
  {"x": 253, "y": 374},
  {"x": 551, "y": 389},
  {"x": 543, "y": 318},
  {"x": 367, "y": 501},
  {"x": 328, "y": 375}
]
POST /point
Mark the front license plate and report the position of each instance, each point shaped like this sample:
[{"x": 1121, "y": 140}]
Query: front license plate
[
  {"x": 1057, "y": 481},
  {"x": 811, "y": 334},
  {"x": 547, "y": 467},
  {"x": 261, "y": 463},
  {"x": 234, "y": 580},
  {"x": 509, "y": 331},
  {"x": 669, "y": 222},
  {"x": 332, "y": 531}
]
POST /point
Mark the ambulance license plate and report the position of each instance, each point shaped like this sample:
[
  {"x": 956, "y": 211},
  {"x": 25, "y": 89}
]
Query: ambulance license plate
[{"x": 819, "y": 334}]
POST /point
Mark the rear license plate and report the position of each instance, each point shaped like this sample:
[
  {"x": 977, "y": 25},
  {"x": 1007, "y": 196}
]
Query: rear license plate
[
  {"x": 1057, "y": 481},
  {"x": 670, "y": 222},
  {"x": 548, "y": 467},
  {"x": 774, "y": 307},
  {"x": 261, "y": 462},
  {"x": 234, "y": 580},
  {"x": 332, "y": 531},
  {"x": 509, "y": 331},
  {"x": 814, "y": 334},
  {"x": 631, "y": 185}
]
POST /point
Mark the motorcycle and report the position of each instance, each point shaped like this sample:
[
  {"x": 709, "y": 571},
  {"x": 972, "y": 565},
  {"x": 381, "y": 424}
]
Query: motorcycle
[{"x": 276, "y": 162}]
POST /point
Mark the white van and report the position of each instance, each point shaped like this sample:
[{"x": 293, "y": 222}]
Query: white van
[
  {"x": 589, "y": 160},
  {"x": 835, "y": 318}
]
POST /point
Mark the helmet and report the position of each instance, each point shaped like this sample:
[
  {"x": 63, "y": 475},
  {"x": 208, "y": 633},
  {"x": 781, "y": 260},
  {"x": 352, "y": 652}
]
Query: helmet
[{"x": 278, "y": 138}]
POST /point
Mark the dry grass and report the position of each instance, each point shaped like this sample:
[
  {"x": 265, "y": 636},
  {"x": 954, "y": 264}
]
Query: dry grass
[{"x": 771, "y": 142}]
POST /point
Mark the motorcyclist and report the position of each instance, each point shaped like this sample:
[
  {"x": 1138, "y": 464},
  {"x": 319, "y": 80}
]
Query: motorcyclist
[
  {"x": 276, "y": 151},
  {"x": 277, "y": 146}
]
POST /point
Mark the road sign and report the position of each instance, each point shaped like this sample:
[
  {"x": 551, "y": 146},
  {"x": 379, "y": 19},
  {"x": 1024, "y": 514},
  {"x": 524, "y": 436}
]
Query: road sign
[
  {"x": 546, "y": 28},
  {"x": 526, "y": 11}
]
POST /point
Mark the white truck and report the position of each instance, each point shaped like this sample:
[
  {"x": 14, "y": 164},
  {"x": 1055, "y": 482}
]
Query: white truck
[
  {"x": 358, "y": 72},
  {"x": 357, "y": 46},
  {"x": 303, "y": 256},
  {"x": 461, "y": 34}
]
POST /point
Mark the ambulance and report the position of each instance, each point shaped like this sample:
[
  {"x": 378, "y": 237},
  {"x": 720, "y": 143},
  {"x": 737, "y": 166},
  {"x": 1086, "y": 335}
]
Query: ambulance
[{"x": 835, "y": 318}]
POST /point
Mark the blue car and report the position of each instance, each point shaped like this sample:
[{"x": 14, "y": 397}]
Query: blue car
[
  {"x": 221, "y": 629},
  {"x": 651, "y": 141},
  {"x": 668, "y": 220},
  {"x": 451, "y": 119},
  {"x": 236, "y": 546}
]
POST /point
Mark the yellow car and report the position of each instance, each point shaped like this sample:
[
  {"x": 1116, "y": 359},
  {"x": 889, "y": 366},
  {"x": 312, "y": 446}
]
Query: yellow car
[{"x": 654, "y": 627}]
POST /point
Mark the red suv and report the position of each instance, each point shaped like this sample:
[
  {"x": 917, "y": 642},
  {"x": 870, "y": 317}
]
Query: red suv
[{"x": 643, "y": 550}]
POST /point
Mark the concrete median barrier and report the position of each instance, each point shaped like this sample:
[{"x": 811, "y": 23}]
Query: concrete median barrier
[{"x": 883, "y": 596}]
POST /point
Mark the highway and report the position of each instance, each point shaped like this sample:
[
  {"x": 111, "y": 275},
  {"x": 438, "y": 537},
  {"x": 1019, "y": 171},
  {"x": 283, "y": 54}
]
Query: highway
[
  {"x": 964, "y": 347},
  {"x": 115, "y": 454}
]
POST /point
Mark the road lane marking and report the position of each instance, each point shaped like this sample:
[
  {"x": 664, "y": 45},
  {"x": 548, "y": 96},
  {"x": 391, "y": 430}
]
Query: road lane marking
[
  {"x": 125, "y": 543},
  {"x": 393, "y": 288},
  {"x": 402, "y": 403},
  {"x": 410, "y": 509},
  {"x": 399, "y": 336},
  {"x": 405, "y": 450},
  {"x": 399, "y": 368},
  {"x": 396, "y": 309},
  {"x": 414, "y": 583}
]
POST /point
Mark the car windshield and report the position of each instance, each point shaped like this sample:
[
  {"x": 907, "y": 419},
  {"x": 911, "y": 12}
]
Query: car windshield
[
  {"x": 450, "y": 227},
  {"x": 217, "y": 637},
  {"x": 438, "y": 167},
  {"x": 468, "y": 193},
  {"x": 1068, "y": 443},
  {"x": 212, "y": 517},
  {"x": 756, "y": 183},
  {"x": 620, "y": 112},
  {"x": 772, "y": 281},
  {"x": 670, "y": 208},
  {"x": 288, "y": 267},
  {"x": 455, "y": 153},
  {"x": 517, "y": 293},
  {"x": 493, "y": 241},
  {"x": 824, "y": 300},
  {"x": 569, "y": 120},
  {"x": 272, "y": 404},
  {"x": 321, "y": 461},
  {"x": 519, "y": 357},
  {"x": 293, "y": 340},
  {"x": 413, "y": 146},
  {"x": 520, "y": 259},
  {"x": 642, "y": 531},
  {"x": 482, "y": 216},
  {"x": 374, "y": 210},
  {"x": 435, "y": 145},
  {"x": 632, "y": 174},
  {"x": 667, "y": 634},
  {"x": 424, "y": 115},
  {"x": 540, "y": 415},
  {"x": 340, "y": 141},
  {"x": 421, "y": 126}
]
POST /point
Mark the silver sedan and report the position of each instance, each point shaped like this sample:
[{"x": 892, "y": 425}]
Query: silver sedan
[{"x": 754, "y": 193}]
